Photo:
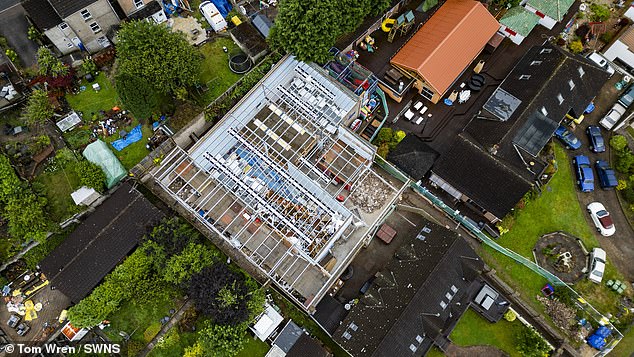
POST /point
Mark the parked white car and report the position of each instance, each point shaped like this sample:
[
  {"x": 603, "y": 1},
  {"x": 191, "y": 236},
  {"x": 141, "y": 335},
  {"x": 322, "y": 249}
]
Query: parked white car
[
  {"x": 613, "y": 116},
  {"x": 601, "y": 62},
  {"x": 601, "y": 218},
  {"x": 597, "y": 265}
]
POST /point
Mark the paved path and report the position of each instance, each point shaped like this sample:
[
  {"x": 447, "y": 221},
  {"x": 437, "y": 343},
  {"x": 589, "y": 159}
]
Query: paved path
[{"x": 173, "y": 321}]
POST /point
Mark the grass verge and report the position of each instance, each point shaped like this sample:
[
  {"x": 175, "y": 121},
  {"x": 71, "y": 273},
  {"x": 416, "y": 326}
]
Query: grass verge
[
  {"x": 89, "y": 101},
  {"x": 474, "y": 330},
  {"x": 215, "y": 73}
]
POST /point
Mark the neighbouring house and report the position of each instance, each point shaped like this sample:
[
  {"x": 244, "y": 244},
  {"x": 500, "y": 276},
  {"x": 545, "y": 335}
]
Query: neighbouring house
[
  {"x": 549, "y": 12},
  {"x": 496, "y": 159},
  {"x": 621, "y": 51},
  {"x": 11, "y": 84},
  {"x": 517, "y": 23},
  {"x": 444, "y": 46},
  {"x": 413, "y": 156},
  {"x": 72, "y": 25},
  {"x": 293, "y": 341},
  {"x": 282, "y": 180},
  {"x": 265, "y": 325},
  {"x": 99, "y": 243},
  {"x": 139, "y": 10},
  {"x": 416, "y": 300}
]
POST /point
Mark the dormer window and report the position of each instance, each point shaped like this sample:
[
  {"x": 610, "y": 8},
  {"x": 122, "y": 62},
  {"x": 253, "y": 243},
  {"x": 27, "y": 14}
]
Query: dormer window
[
  {"x": 525, "y": 76},
  {"x": 544, "y": 111},
  {"x": 581, "y": 72},
  {"x": 546, "y": 50},
  {"x": 560, "y": 98},
  {"x": 536, "y": 63},
  {"x": 571, "y": 84}
]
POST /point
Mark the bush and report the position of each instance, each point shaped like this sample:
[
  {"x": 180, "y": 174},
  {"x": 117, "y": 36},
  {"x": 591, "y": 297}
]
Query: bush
[
  {"x": 510, "y": 316},
  {"x": 91, "y": 175},
  {"x": 618, "y": 143},
  {"x": 575, "y": 46},
  {"x": 151, "y": 332},
  {"x": 599, "y": 12},
  {"x": 134, "y": 348},
  {"x": 622, "y": 185},
  {"x": 530, "y": 343},
  {"x": 624, "y": 162}
]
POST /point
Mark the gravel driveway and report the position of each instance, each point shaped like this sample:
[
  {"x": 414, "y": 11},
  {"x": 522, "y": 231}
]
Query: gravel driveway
[
  {"x": 14, "y": 27},
  {"x": 620, "y": 246}
]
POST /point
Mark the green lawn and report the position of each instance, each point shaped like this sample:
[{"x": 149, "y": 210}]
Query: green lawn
[
  {"x": 215, "y": 73},
  {"x": 557, "y": 208},
  {"x": 254, "y": 348},
  {"x": 135, "y": 152},
  {"x": 626, "y": 346},
  {"x": 474, "y": 330},
  {"x": 434, "y": 352},
  {"x": 89, "y": 101},
  {"x": 57, "y": 187},
  {"x": 135, "y": 316}
]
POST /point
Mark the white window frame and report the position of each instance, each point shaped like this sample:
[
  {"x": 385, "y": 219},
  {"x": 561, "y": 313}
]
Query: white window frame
[
  {"x": 85, "y": 14},
  {"x": 63, "y": 26},
  {"x": 137, "y": 2},
  {"x": 95, "y": 24},
  {"x": 70, "y": 45}
]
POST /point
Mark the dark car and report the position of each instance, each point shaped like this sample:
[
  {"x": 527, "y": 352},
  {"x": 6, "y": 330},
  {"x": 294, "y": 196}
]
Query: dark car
[
  {"x": 585, "y": 177},
  {"x": 567, "y": 138},
  {"x": 14, "y": 320},
  {"x": 627, "y": 97},
  {"x": 23, "y": 329},
  {"x": 596, "y": 139},
  {"x": 606, "y": 175}
]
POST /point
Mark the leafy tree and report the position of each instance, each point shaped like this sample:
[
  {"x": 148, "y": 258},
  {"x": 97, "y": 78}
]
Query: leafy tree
[
  {"x": 191, "y": 260},
  {"x": 576, "y": 46},
  {"x": 221, "y": 340},
  {"x": 530, "y": 343},
  {"x": 91, "y": 175},
  {"x": 48, "y": 64},
  {"x": 618, "y": 143},
  {"x": 89, "y": 66},
  {"x": 221, "y": 293},
  {"x": 624, "y": 162},
  {"x": 38, "y": 108},
  {"x": 622, "y": 185},
  {"x": 137, "y": 95},
  {"x": 428, "y": 4},
  {"x": 308, "y": 29},
  {"x": 197, "y": 350},
  {"x": 10, "y": 184},
  {"x": 384, "y": 136},
  {"x": 27, "y": 216},
  {"x": 173, "y": 235},
  {"x": 33, "y": 34},
  {"x": 11, "y": 54},
  {"x": 157, "y": 55},
  {"x": 599, "y": 12}
]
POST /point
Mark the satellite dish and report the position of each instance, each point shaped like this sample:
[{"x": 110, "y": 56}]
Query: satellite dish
[
  {"x": 583, "y": 7},
  {"x": 243, "y": 10},
  {"x": 347, "y": 307},
  {"x": 627, "y": 79}
]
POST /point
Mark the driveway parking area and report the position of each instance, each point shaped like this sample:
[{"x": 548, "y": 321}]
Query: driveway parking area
[
  {"x": 620, "y": 246},
  {"x": 14, "y": 27}
]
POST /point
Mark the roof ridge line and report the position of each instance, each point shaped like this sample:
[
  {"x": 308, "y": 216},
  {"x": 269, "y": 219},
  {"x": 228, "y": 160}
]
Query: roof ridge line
[{"x": 496, "y": 160}]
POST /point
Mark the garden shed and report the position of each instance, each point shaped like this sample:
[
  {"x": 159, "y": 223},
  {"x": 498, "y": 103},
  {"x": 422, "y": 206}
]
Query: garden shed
[{"x": 99, "y": 153}]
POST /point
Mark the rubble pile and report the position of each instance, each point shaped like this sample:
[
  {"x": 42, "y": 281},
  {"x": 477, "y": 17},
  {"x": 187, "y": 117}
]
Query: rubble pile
[
  {"x": 370, "y": 194},
  {"x": 562, "y": 315}
]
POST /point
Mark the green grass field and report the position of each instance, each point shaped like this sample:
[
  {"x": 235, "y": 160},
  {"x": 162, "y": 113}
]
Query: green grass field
[
  {"x": 215, "y": 72},
  {"x": 90, "y": 101},
  {"x": 557, "y": 208},
  {"x": 57, "y": 187},
  {"x": 474, "y": 330}
]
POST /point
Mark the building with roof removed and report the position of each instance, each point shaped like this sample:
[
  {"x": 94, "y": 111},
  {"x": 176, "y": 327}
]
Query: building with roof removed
[
  {"x": 417, "y": 299},
  {"x": 101, "y": 242},
  {"x": 496, "y": 159},
  {"x": 549, "y": 12},
  {"x": 283, "y": 180},
  {"x": 444, "y": 46}
]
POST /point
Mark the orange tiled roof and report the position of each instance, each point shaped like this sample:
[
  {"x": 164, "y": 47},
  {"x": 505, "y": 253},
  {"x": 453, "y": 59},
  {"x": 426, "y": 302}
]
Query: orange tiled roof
[{"x": 448, "y": 42}]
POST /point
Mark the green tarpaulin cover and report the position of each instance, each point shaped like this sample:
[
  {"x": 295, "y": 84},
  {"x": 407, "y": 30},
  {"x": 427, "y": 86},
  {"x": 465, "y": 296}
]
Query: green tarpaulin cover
[{"x": 99, "y": 153}]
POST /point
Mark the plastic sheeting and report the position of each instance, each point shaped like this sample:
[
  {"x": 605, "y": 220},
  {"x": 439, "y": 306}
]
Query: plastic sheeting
[
  {"x": 132, "y": 137},
  {"x": 223, "y": 7},
  {"x": 99, "y": 153}
]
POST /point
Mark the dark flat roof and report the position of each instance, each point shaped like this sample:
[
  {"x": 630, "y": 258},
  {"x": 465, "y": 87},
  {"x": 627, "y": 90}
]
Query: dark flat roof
[
  {"x": 288, "y": 336},
  {"x": 105, "y": 238},
  {"x": 413, "y": 156},
  {"x": 306, "y": 346},
  {"x": 66, "y": 8},
  {"x": 415, "y": 299},
  {"x": 146, "y": 11}
]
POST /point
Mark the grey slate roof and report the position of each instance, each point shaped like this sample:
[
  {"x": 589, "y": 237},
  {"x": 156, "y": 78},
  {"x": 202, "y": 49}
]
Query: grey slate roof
[
  {"x": 42, "y": 13},
  {"x": 307, "y": 346},
  {"x": 288, "y": 336},
  {"x": 66, "y": 8},
  {"x": 103, "y": 240},
  {"x": 417, "y": 297},
  {"x": 413, "y": 156}
]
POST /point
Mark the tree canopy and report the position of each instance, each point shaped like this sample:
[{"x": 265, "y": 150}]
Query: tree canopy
[
  {"x": 91, "y": 175},
  {"x": 191, "y": 260},
  {"x": 38, "y": 108},
  {"x": 137, "y": 94},
  {"x": 220, "y": 340},
  {"x": 49, "y": 65},
  {"x": 309, "y": 28},
  {"x": 221, "y": 293},
  {"x": 158, "y": 56}
]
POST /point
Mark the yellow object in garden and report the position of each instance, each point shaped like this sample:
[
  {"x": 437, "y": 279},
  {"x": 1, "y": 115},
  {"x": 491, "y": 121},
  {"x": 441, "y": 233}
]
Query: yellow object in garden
[
  {"x": 236, "y": 20},
  {"x": 17, "y": 292},
  {"x": 29, "y": 313}
]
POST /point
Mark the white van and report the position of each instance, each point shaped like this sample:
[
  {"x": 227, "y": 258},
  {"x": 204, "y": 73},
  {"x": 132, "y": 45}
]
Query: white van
[{"x": 212, "y": 15}]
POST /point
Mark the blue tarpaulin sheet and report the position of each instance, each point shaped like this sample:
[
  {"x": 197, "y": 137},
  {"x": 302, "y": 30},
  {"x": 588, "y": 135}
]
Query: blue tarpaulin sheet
[
  {"x": 133, "y": 136},
  {"x": 223, "y": 7}
]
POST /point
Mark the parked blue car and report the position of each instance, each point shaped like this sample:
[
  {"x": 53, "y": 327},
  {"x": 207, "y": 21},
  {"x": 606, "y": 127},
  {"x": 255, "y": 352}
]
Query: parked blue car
[
  {"x": 597, "y": 144},
  {"x": 567, "y": 138},
  {"x": 585, "y": 177},
  {"x": 606, "y": 175}
]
